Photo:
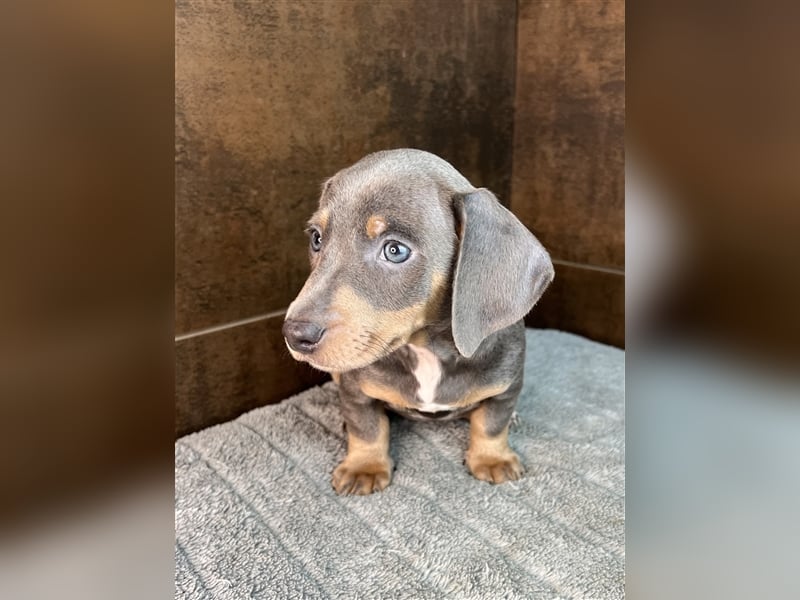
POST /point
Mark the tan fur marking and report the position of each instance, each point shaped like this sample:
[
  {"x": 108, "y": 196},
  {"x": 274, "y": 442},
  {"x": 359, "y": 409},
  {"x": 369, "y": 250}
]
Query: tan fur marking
[
  {"x": 395, "y": 397},
  {"x": 482, "y": 393},
  {"x": 489, "y": 458},
  {"x": 375, "y": 449},
  {"x": 385, "y": 394},
  {"x": 367, "y": 467},
  {"x": 438, "y": 288},
  {"x": 378, "y": 332},
  {"x": 320, "y": 218},
  {"x": 375, "y": 226},
  {"x": 420, "y": 338},
  {"x": 478, "y": 439},
  {"x": 336, "y": 377}
]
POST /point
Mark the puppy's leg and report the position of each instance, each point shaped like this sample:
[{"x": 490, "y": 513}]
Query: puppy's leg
[
  {"x": 489, "y": 457},
  {"x": 367, "y": 467}
]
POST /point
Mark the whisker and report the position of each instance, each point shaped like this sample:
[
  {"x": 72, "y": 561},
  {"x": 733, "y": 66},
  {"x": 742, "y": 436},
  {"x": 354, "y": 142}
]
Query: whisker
[{"x": 370, "y": 340}]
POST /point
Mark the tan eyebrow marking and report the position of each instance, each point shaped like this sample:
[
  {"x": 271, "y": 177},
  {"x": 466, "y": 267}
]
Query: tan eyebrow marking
[
  {"x": 375, "y": 226},
  {"x": 321, "y": 219}
]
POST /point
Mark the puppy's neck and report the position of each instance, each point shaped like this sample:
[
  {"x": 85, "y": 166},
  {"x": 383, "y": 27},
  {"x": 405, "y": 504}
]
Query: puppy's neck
[
  {"x": 437, "y": 337},
  {"x": 437, "y": 334}
]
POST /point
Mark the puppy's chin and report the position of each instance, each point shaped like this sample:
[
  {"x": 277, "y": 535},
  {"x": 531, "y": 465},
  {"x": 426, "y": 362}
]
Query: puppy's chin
[
  {"x": 327, "y": 360},
  {"x": 337, "y": 366}
]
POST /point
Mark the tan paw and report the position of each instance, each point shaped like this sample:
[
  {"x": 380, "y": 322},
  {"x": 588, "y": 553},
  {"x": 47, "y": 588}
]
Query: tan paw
[
  {"x": 494, "y": 468},
  {"x": 361, "y": 477}
]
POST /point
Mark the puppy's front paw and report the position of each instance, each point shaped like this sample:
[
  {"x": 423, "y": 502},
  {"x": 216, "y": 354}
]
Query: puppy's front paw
[
  {"x": 495, "y": 468},
  {"x": 361, "y": 477}
]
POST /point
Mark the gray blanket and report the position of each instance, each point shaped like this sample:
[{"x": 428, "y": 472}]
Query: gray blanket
[{"x": 256, "y": 517}]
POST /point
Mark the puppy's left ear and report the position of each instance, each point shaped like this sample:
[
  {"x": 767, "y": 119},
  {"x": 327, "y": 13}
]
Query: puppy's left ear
[{"x": 501, "y": 270}]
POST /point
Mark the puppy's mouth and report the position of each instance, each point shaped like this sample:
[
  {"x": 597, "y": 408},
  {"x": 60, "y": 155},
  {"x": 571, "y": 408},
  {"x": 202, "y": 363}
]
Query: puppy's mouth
[{"x": 339, "y": 353}]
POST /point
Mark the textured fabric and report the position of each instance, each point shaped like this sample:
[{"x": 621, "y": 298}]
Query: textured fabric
[{"x": 256, "y": 516}]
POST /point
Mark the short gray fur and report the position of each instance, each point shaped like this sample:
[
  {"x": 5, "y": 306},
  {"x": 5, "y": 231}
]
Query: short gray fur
[{"x": 256, "y": 516}]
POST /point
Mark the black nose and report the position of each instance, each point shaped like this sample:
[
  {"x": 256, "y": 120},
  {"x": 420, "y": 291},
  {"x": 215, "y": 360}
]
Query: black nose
[{"x": 302, "y": 336}]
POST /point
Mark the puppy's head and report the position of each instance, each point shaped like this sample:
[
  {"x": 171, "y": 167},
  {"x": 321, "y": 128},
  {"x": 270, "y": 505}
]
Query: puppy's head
[{"x": 402, "y": 239}]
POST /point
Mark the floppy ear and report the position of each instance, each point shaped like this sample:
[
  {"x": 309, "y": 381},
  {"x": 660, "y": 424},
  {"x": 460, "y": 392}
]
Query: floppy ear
[{"x": 501, "y": 270}]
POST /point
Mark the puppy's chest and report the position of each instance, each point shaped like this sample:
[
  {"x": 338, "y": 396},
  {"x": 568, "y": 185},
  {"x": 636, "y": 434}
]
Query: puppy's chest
[
  {"x": 428, "y": 374},
  {"x": 418, "y": 383}
]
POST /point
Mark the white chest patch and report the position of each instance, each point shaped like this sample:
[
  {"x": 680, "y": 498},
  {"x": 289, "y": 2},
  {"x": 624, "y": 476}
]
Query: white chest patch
[{"x": 428, "y": 373}]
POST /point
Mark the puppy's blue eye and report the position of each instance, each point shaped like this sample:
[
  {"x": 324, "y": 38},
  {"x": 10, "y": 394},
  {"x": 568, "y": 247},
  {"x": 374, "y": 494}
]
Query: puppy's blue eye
[
  {"x": 396, "y": 252},
  {"x": 316, "y": 240}
]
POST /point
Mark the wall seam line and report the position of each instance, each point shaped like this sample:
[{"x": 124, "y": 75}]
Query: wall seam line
[
  {"x": 588, "y": 267},
  {"x": 230, "y": 325}
]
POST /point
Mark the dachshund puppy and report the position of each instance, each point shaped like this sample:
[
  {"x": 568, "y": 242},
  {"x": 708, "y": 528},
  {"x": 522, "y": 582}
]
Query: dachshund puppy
[{"x": 415, "y": 301}]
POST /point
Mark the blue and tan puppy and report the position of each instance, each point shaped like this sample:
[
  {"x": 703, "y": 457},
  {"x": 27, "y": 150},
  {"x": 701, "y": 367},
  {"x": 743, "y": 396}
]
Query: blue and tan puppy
[{"x": 418, "y": 286}]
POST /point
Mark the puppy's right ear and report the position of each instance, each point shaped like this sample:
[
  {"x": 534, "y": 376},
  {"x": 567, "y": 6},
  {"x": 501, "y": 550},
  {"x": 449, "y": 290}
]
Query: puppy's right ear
[{"x": 501, "y": 271}]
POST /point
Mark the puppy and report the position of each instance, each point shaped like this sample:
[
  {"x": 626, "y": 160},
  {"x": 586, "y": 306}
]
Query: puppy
[{"x": 415, "y": 301}]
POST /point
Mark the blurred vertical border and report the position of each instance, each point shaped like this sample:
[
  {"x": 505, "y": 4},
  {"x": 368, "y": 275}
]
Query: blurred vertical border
[
  {"x": 713, "y": 327},
  {"x": 86, "y": 272}
]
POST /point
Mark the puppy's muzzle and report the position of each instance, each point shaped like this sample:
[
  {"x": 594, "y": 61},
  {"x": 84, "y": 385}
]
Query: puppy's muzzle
[{"x": 302, "y": 336}]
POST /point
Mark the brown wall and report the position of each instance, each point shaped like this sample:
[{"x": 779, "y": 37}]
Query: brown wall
[
  {"x": 271, "y": 98},
  {"x": 568, "y": 177}
]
